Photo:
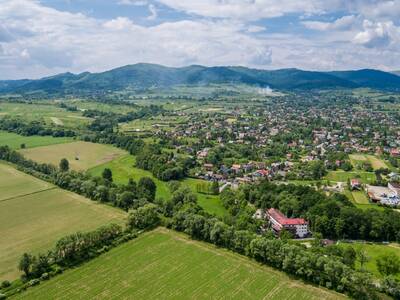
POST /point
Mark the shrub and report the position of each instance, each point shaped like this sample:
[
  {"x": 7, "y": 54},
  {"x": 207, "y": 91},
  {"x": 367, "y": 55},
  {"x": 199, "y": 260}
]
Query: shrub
[
  {"x": 2, "y": 296},
  {"x": 34, "y": 282},
  {"x": 5, "y": 284}
]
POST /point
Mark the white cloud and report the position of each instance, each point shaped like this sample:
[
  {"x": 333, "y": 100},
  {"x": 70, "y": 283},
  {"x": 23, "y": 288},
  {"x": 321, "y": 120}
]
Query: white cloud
[
  {"x": 377, "y": 34},
  {"x": 133, "y": 2},
  {"x": 25, "y": 54},
  {"x": 153, "y": 12},
  {"x": 246, "y": 9},
  {"x": 36, "y": 40},
  {"x": 343, "y": 23}
]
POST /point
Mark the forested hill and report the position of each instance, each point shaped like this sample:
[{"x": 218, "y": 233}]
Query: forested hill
[{"x": 141, "y": 76}]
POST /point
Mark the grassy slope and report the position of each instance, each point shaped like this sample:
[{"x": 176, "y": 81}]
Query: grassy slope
[
  {"x": 166, "y": 265},
  {"x": 123, "y": 169},
  {"x": 373, "y": 252},
  {"x": 90, "y": 154},
  {"x": 14, "y": 141},
  {"x": 34, "y": 222}
]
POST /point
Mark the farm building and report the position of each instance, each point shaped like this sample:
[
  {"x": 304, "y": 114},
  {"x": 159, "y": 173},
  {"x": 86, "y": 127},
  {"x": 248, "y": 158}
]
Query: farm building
[{"x": 278, "y": 221}]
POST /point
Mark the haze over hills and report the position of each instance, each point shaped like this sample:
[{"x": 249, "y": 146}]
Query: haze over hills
[{"x": 151, "y": 75}]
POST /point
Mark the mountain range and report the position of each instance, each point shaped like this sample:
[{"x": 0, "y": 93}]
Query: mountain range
[{"x": 143, "y": 76}]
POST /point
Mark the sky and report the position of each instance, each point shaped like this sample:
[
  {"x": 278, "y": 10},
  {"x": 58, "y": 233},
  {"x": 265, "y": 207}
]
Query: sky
[{"x": 45, "y": 37}]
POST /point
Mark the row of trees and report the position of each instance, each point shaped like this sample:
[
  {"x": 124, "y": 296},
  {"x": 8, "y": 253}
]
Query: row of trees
[
  {"x": 72, "y": 250},
  {"x": 33, "y": 128}
]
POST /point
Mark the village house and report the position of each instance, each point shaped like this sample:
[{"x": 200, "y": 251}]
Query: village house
[
  {"x": 278, "y": 221},
  {"x": 355, "y": 184}
]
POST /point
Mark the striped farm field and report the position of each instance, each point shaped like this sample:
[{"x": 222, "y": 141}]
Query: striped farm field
[
  {"x": 163, "y": 264},
  {"x": 81, "y": 155},
  {"x": 35, "y": 214}
]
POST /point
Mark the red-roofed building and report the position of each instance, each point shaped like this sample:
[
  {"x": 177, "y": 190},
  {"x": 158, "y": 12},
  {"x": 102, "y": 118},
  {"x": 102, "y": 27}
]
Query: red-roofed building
[
  {"x": 298, "y": 226},
  {"x": 395, "y": 152},
  {"x": 355, "y": 184}
]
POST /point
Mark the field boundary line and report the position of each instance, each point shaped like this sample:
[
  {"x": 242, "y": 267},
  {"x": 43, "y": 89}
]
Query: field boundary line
[{"x": 24, "y": 195}]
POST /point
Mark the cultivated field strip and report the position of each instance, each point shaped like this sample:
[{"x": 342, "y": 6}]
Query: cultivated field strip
[
  {"x": 166, "y": 265},
  {"x": 33, "y": 222}
]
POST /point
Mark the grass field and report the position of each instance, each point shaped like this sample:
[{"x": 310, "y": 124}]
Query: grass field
[
  {"x": 34, "y": 215},
  {"x": 373, "y": 252},
  {"x": 342, "y": 176},
  {"x": 123, "y": 169},
  {"x": 89, "y": 154},
  {"x": 375, "y": 162},
  {"x": 360, "y": 197},
  {"x": 14, "y": 141},
  {"x": 166, "y": 265},
  {"x": 47, "y": 112}
]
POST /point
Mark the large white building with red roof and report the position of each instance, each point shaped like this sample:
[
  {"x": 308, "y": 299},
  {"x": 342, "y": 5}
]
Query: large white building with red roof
[{"x": 278, "y": 221}]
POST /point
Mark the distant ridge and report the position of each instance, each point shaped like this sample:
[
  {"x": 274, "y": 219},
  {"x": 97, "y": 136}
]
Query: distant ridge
[{"x": 142, "y": 76}]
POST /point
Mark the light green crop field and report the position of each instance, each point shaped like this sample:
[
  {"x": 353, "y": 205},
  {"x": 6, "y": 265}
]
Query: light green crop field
[
  {"x": 123, "y": 169},
  {"x": 14, "y": 140},
  {"x": 88, "y": 154},
  {"x": 34, "y": 215},
  {"x": 14, "y": 183},
  {"x": 163, "y": 264},
  {"x": 342, "y": 176},
  {"x": 373, "y": 252}
]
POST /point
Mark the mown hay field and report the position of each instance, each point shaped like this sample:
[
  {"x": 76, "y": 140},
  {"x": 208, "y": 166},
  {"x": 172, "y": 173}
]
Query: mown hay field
[
  {"x": 14, "y": 141},
  {"x": 81, "y": 155},
  {"x": 35, "y": 214},
  {"x": 163, "y": 264}
]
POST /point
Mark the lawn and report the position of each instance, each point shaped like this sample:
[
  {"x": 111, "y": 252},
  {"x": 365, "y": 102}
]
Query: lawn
[
  {"x": 360, "y": 197},
  {"x": 163, "y": 264},
  {"x": 34, "y": 215},
  {"x": 342, "y": 176},
  {"x": 373, "y": 252},
  {"x": 123, "y": 169},
  {"x": 14, "y": 140},
  {"x": 81, "y": 155}
]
